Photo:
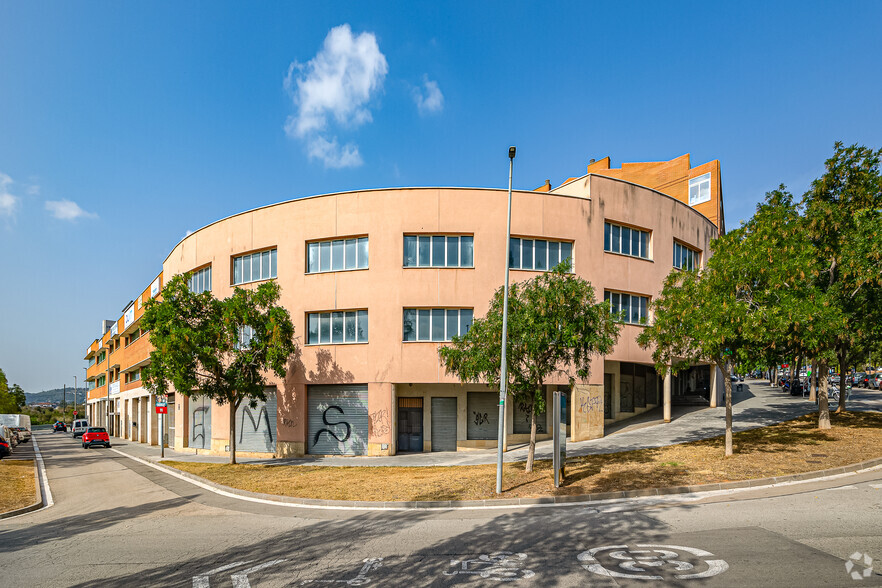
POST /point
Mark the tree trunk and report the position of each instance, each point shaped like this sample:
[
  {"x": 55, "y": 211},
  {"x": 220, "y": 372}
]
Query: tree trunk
[
  {"x": 792, "y": 365},
  {"x": 823, "y": 404},
  {"x": 727, "y": 382},
  {"x": 531, "y": 454},
  {"x": 813, "y": 382},
  {"x": 233, "y": 407},
  {"x": 842, "y": 380}
]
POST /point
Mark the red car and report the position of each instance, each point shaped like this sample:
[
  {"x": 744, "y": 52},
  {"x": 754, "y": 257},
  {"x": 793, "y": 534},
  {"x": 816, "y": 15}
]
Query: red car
[{"x": 95, "y": 436}]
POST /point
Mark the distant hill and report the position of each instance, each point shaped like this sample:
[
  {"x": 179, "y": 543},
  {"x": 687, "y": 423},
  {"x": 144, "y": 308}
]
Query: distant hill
[{"x": 55, "y": 395}]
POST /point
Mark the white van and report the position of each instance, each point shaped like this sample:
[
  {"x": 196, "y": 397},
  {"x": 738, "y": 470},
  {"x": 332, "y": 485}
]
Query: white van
[{"x": 79, "y": 427}]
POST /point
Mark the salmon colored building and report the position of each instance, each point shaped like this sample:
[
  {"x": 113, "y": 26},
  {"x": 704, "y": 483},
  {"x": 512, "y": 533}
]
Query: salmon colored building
[{"x": 377, "y": 280}]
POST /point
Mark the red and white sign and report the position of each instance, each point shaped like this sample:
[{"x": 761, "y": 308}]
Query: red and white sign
[{"x": 161, "y": 409}]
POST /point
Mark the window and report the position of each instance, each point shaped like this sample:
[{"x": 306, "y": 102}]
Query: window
[
  {"x": 102, "y": 380},
  {"x": 631, "y": 308},
  {"x": 101, "y": 356},
  {"x": 337, "y": 255},
  {"x": 436, "y": 324},
  {"x": 699, "y": 189},
  {"x": 439, "y": 251},
  {"x": 685, "y": 258},
  {"x": 200, "y": 281},
  {"x": 254, "y": 267},
  {"x": 91, "y": 361},
  {"x": 538, "y": 254},
  {"x": 625, "y": 240},
  {"x": 133, "y": 376},
  {"x": 136, "y": 334},
  {"x": 246, "y": 334},
  {"x": 350, "y": 326}
]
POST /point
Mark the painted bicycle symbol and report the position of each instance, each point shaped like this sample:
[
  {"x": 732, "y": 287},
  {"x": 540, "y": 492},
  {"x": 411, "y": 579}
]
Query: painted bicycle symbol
[{"x": 504, "y": 566}]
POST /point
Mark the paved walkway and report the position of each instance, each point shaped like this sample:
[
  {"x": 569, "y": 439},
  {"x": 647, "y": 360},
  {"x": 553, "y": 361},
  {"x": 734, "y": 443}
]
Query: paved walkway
[{"x": 758, "y": 405}]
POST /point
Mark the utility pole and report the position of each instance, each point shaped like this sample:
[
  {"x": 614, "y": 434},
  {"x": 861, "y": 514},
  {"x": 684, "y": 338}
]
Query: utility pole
[
  {"x": 503, "y": 373},
  {"x": 63, "y": 400}
]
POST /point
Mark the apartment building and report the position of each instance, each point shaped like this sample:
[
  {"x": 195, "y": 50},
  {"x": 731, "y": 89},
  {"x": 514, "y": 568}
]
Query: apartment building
[{"x": 377, "y": 280}]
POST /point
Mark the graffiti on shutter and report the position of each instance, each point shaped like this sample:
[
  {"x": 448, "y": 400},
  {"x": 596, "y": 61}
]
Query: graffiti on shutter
[
  {"x": 483, "y": 415},
  {"x": 200, "y": 422},
  {"x": 338, "y": 420},
  {"x": 257, "y": 426}
]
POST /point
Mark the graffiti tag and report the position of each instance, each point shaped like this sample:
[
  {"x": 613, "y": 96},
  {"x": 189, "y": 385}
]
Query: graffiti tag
[
  {"x": 289, "y": 422},
  {"x": 329, "y": 431},
  {"x": 199, "y": 423},
  {"x": 481, "y": 418},
  {"x": 262, "y": 417},
  {"x": 380, "y": 422},
  {"x": 591, "y": 404}
]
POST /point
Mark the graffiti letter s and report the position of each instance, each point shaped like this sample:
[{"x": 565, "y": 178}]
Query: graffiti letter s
[{"x": 330, "y": 432}]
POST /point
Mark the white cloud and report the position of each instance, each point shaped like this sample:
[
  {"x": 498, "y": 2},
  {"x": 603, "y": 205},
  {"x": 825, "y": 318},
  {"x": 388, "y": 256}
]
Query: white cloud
[
  {"x": 67, "y": 210},
  {"x": 334, "y": 89},
  {"x": 428, "y": 97},
  {"x": 8, "y": 201}
]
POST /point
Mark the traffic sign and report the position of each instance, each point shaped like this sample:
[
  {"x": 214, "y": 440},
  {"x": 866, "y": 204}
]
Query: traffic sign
[{"x": 161, "y": 409}]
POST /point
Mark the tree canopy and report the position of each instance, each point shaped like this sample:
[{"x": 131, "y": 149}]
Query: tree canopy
[
  {"x": 554, "y": 327},
  {"x": 221, "y": 349}
]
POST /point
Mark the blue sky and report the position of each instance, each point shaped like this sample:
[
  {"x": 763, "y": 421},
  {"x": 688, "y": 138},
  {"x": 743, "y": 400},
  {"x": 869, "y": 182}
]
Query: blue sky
[{"x": 123, "y": 125}]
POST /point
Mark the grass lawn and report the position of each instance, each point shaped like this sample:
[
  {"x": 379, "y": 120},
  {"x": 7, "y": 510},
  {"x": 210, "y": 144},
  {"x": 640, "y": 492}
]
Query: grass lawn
[
  {"x": 787, "y": 448},
  {"x": 16, "y": 484}
]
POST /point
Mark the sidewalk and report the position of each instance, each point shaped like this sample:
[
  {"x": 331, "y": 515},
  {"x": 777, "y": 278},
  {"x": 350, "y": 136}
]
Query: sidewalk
[{"x": 758, "y": 405}]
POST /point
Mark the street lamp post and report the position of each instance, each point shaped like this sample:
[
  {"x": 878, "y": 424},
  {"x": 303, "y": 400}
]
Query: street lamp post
[{"x": 503, "y": 372}]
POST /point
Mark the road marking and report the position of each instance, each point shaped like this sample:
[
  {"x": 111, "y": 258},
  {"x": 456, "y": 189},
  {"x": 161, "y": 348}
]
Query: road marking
[
  {"x": 48, "y": 498},
  {"x": 876, "y": 486},
  {"x": 635, "y": 562},
  {"x": 240, "y": 580},
  {"x": 839, "y": 488},
  {"x": 370, "y": 564},
  {"x": 202, "y": 581},
  {"x": 503, "y": 566}
]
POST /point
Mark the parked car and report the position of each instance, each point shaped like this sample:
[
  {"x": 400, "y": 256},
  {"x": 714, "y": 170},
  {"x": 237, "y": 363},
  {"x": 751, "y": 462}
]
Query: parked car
[
  {"x": 78, "y": 427},
  {"x": 8, "y": 437},
  {"x": 59, "y": 427},
  {"x": 857, "y": 378},
  {"x": 5, "y": 447},
  {"x": 95, "y": 436},
  {"x": 876, "y": 381},
  {"x": 23, "y": 434}
]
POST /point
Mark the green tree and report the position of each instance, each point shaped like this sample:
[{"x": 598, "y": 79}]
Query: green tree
[
  {"x": 554, "y": 327},
  {"x": 11, "y": 399},
  {"x": 843, "y": 216},
  {"x": 221, "y": 349}
]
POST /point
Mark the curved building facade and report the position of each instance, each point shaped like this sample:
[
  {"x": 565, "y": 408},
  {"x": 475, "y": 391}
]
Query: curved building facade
[{"x": 377, "y": 280}]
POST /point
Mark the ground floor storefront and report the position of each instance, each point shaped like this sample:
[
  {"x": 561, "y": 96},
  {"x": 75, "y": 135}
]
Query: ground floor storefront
[{"x": 389, "y": 418}]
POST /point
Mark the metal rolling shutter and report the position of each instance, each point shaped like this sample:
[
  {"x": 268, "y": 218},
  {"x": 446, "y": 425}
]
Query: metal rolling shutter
[
  {"x": 443, "y": 424},
  {"x": 199, "y": 434},
  {"x": 338, "y": 420},
  {"x": 521, "y": 425},
  {"x": 483, "y": 416},
  {"x": 256, "y": 427}
]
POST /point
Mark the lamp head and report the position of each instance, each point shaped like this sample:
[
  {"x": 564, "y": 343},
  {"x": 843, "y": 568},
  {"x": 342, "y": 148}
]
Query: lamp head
[{"x": 511, "y": 152}]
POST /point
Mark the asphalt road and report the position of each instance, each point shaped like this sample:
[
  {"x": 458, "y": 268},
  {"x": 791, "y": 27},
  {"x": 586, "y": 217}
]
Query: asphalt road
[{"x": 116, "y": 522}]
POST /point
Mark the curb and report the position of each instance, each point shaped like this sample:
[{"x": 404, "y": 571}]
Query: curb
[
  {"x": 507, "y": 502},
  {"x": 38, "y": 490}
]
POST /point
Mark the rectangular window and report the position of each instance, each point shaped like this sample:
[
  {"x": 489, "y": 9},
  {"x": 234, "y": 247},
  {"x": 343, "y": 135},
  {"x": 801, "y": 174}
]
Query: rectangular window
[
  {"x": 685, "y": 258},
  {"x": 253, "y": 267},
  {"x": 625, "y": 240},
  {"x": 200, "y": 281},
  {"x": 337, "y": 255},
  {"x": 436, "y": 324},
  {"x": 438, "y": 251},
  {"x": 699, "y": 189},
  {"x": 631, "y": 308},
  {"x": 339, "y": 327},
  {"x": 246, "y": 334},
  {"x": 538, "y": 254}
]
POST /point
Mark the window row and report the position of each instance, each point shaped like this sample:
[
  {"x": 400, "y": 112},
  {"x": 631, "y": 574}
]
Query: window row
[
  {"x": 684, "y": 257},
  {"x": 254, "y": 267},
  {"x": 349, "y": 326},
  {"x": 439, "y": 251},
  {"x": 630, "y": 308},
  {"x": 133, "y": 376},
  {"x": 337, "y": 255},
  {"x": 200, "y": 281},
  {"x": 625, "y": 240},
  {"x": 538, "y": 254},
  {"x": 436, "y": 324}
]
